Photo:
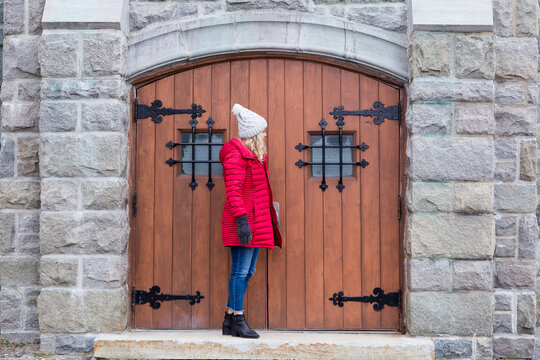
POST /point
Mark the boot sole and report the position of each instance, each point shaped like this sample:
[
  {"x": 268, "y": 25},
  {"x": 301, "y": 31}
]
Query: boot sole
[{"x": 236, "y": 334}]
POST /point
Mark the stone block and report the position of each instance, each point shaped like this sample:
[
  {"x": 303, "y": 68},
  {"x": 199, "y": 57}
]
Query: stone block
[
  {"x": 74, "y": 344},
  {"x": 143, "y": 13},
  {"x": 505, "y": 171},
  {"x": 29, "y": 90},
  {"x": 106, "y": 310},
  {"x": 508, "y": 345},
  {"x": 435, "y": 158},
  {"x": 528, "y": 161},
  {"x": 59, "y": 271},
  {"x": 21, "y": 336},
  {"x": 7, "y": 157},
  {"x": 474, "y": 56},
  {"x": 103, "y": 232},
  {"x": 450, "y": 313},
  {"x": 19, "y": 270},
  {"x": 484, "y": 348},
  {"x": 212, "y": 8},
  {"x": 61, "y": 310},
  {"x": 528, "y": 236},
  {"x": 511, "y": 121},
  {"x": 59, "y": 194},
  {"x": 505, "y": 148},
  {"x": 472, "y": 275},
  {"x": 505, "y": 225},
  {"x": 58, "y": 55},
  {"x": 104, "y": 54},
  {"x": 429, "y": 196},
  {"x": 47, "y": 344},
  {"x": 104, "y": 271},
  {"x": 57, "y": 116},
  {"x": 105, "y": 194},
  {"x": 473, "y": 119},
  {"x": 532, "y": 95},
  {"x": 515, "y": 274},
  {"x": 502, "y": 323},
  {"x": 13, "y": 21},
  {"x": 526, "y": 313},
  {"x": 70, "y": 155},
  {"x": 7, "y": 232},
  {"x": 429, "y": 54},
  {"x": 472, "y": 197},
  {"x": 451, "y": 90},
  {"x": 28, "y": 244},
  {"x": 503, "y": 301},
  {"x": 27, "y": 156},
  {"x": 8, "y": 91},
  {"x": 449, "y": 236},
  {"x": 502, "y": 17},
  {"x": 35, "y": 11},
  {"x": 28, "y": 222},
  {"x": 11, "y": 305},
  {"x": 516, "y": 58},
  {"x": 452, "y": 348},
  {"x": 526, "y": 12},
  {"x": 505, "y": 247},
  {"x": 429, "y": 274},
  {"x": 104, "y": 116},
  {"x": 31, "y": 321},
  {"x": 509, "y": 94},
  {"x": 54, "y": 89},
  {"x": 22, "y": 194},
  {"x": 431, "y": 118},
  {"x": 234, "y": 5},
  {"x": 519, "y": 198},
  {"x": 20, "y": 57},
  {"x": 387, "y": 16},
  {"x": 20, "y": 116},
  {"x": 30, "y": 295}
]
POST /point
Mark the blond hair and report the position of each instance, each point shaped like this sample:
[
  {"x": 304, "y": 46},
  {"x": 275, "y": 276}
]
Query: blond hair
[{"x": 256, "y": 145}]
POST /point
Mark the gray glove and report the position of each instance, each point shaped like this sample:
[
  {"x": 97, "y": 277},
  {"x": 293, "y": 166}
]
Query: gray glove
[{"x": 244, "y": 231}]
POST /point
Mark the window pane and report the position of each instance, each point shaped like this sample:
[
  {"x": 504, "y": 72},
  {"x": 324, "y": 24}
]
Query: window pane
[
  {"x": 201, "y": 153},
  {"x": 332, "y": 155}
]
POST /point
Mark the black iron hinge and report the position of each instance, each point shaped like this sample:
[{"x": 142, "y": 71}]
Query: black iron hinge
[
  {"x": 379, "y": 300},
  {"x": 154, "y": 299},
  {"x": 135, "y": 111},
  {"x": 134, "y": 203},
  {"x": 399, "y": 207}
]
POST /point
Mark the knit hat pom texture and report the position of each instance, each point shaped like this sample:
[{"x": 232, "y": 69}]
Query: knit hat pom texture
[{"x": 249, "y": 122}]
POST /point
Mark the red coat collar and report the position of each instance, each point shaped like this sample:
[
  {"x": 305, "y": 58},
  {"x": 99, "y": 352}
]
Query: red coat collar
[{"x": 246, "y": 153}]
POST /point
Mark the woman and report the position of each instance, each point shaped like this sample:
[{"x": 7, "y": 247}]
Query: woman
[{"x": 249, "y": 220}]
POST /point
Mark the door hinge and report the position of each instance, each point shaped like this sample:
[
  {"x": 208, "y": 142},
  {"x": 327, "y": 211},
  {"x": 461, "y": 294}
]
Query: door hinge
[
  {"x": 135, "y": 111},
  {"x": 399, "y": 207},
  {"x": 134, "y": 203}
]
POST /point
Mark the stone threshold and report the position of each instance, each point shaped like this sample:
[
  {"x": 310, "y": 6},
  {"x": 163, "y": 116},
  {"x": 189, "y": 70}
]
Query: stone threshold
[{"x": 272, "y": 344}]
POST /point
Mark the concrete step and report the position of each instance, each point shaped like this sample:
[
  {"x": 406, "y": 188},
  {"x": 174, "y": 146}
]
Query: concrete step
[{"x": 211, "y": 344}]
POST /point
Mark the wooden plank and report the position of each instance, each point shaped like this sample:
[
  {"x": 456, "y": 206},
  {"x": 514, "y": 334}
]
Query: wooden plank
[
  {"x": 183, "y": 198},
  {"x": 351, "y": 218},
  {"x": 369, "y": 176},
  {"x": 200, "y": 233},
  {"x": 296, "y": 298},
  {"x": 314, "y": 220},
  {"x": 257, "y": 287},
  {"x": 218, "y": 253},
  {"x": 332, "y": 247},
  {"x": 132, "y": 135},
  {"x": 389, "y": 185},
  {"x": 277, "y": 266},
  {"x": 143, "y": 261}
]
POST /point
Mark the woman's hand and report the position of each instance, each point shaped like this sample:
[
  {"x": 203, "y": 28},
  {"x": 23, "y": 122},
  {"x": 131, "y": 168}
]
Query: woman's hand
[{"x": 244, "y": 230}]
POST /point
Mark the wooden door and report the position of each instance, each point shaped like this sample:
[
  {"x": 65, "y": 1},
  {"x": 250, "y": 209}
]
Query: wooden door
[{"x": 333, "y": 241}]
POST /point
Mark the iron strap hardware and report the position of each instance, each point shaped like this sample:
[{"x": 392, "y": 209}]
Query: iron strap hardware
[
  {"x": 140, "y": 297},
  {"x": 156, "y": 111},
  {"x": 379, "y": 112},
  {"x": 193, "y": 122},
  {"x": 380, "y": 299},
  {"x": 300, "y": 163}
]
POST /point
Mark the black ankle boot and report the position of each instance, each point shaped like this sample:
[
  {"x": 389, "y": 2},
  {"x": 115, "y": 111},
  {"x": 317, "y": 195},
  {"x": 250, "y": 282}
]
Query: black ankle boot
[
  {"x": 227, "y": 324},
  {"x": 241, "y": 328}
]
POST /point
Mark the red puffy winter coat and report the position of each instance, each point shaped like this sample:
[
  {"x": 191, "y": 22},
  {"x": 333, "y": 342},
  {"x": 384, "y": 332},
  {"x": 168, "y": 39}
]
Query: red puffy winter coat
[{"x": 248, "y": 192}]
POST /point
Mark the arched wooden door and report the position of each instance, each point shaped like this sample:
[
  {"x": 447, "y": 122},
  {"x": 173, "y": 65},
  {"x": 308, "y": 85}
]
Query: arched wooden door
[{"x": 333, "y": 240}]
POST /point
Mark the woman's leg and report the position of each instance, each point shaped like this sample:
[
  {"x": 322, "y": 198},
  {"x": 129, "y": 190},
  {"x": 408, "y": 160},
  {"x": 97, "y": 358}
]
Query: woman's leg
[{"x": 241, "y": 265}]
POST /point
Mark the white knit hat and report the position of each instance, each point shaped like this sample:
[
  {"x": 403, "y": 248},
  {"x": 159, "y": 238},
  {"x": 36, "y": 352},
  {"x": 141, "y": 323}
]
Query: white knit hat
[{"x": 249, "y": 123}]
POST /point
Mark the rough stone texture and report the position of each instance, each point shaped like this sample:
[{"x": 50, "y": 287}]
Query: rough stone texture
[
  {"x": 511, "y": 121},
  {"x": 104, "y": 116},
  {"x": 443, "y": 313},
  {"x": 13, "y": 21},
  {"x": 105, "y": 310},
  {"x": 471, "y": 197},
  {"x": 515, "y": 274},
  {"x": 59, "y": 194},
  {"x": 7, "y": 157},
  {"x": 11, "y": 305},
  {"x": 84, "y": 232},
  {"x": 472, "y": 119},
  {"x": 429, "y": 54},
  {"x": 47, "y": 344},
  {"x": 429, "y": 274},
  {"x": 104, "y": 54},
  {"x": 505, "y": 247},
  {"x": 54, "y": 89},
  {"x": 28, "y": 244},
  {"x": 20, "y": 116},
  {"x": 57, "y": 116},
  {"x": 431, "y": 118},
  {"x": 29, "y": 90},
  {"x": 448, "y": 235},
  {"x": 451, "y": 90},
  {"x": 515, "y": 198},
  {"x": 105, "y": 194},
  {"x": 429, "y": 196},
  {"x": 508, "y": 94},
  {"x": 502, "y": 17},
  {"x": 27, "y": 156},
  {"x": 528, "y": 236},
  {"x": 59, "y": 271},
  {"x": 452, "y": 348},
  {"x": 474, "y": 56},
  {"x": 526, "y": 313},
  {"x": 472, "y": 275},
  {"x": 505, "y": 225},
  {"x": 71, "y": 344},
  {"x": 104, "y": 271},
  {"x": 526, "y": 18},
  {"x": 7, "y": 232},
  {"x": 58, "y": 55},
  {"x": 35, "y": 11},
  {"x": 233, "y": 5},
  {"x": 19, "y": 270},
  {"x": 516, "y": 58},
  {"x": 142, "y": 14},
  {"x": 29, "y": 222},
  {"x": 61, "y": 310},
  {"x": 23, "y": 194},
  {"x": 532, "y": 94},
  {"x": 67, "y": 155},
  {"x": 521, "y": 347},
  {"x": 505, "y": 171},
  {"x": 528, "y": 161},
  {"x": 503, "y": 301},
  {"x": 450, "y": 158},
  {"x": 389, "y": 16},
  {"x": 505, "y": 148},
  {"x": 20, "y": 57},
  {"x": 502, "y": 323},
  {"x": 484, "y": 348}
]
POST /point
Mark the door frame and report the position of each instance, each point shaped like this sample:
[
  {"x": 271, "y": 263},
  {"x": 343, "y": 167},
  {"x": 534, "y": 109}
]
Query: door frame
[{"x": 159, "y": 74}]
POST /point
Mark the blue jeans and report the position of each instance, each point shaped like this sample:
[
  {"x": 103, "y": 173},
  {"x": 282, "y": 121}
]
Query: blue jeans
[{"x": 244, "y": 260}]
